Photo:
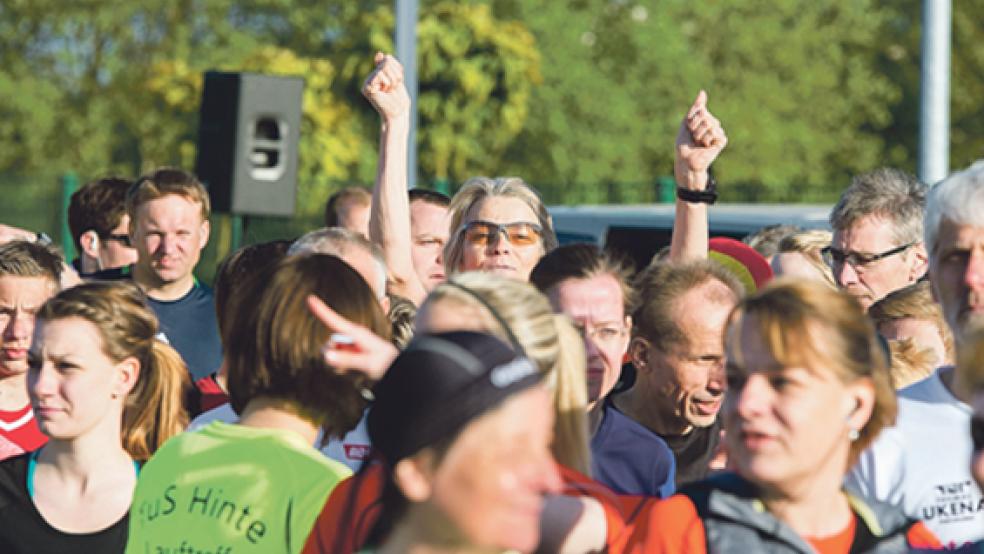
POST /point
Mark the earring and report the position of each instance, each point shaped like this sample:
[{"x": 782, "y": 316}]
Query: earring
[{"x": 853, "y": 434}]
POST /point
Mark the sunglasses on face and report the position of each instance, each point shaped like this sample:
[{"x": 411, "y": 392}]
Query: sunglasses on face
[
  {"x": 482, "y": 233},
  {"x": 122, "y": 239}
]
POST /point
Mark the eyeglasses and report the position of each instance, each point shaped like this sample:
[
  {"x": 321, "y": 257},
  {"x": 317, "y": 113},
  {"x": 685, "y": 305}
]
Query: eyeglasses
[
  {"x": 603, "y": 334},
  {"x": 836, "y": 258},
  {"x": 122, "y": 239},
  {"x": 481, "y": 233}
]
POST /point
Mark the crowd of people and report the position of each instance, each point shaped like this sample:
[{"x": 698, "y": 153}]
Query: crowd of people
[{"x": 429, "y": 374}]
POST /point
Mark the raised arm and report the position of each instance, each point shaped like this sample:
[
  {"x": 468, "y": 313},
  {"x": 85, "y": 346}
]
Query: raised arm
[
  {"x": 699, "y": 141},
  {"x": 389, "y": 220}
]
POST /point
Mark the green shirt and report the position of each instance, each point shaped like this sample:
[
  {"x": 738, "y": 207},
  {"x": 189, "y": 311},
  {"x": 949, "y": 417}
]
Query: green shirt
[{"x": 230, "y": 489}]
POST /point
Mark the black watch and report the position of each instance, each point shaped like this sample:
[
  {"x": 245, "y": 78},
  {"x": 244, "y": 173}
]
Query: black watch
[{"x": 706, "y": 196}]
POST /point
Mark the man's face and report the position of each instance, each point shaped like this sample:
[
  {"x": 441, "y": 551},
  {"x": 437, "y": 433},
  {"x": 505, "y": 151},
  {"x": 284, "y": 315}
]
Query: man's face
[
  {"x": 169, "y": 235},
  {"x": 869, "y": 283},
  {"x": 355, "y": 217},
  {"x": 429, "y": 233},
  {"x": 20, "y": 299},
  {"x": 957, "y": 275},
  {"x": 687, "y": 382},
  {"x": 596, "y": 307},
  {"x": 114, "y": 250}
]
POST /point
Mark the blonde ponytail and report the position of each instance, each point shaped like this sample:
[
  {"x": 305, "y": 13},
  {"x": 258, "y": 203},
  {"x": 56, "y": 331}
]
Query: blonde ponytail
[{"x": 154, "y": 410}]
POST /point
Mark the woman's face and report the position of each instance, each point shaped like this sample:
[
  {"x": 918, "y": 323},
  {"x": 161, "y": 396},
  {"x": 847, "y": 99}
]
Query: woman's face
[
  {"x": 75, "y": 388},
  {"x": 491, "y": 482},
  {"x": 786, "y": 425},
  {"x": 512, "y": 256}
]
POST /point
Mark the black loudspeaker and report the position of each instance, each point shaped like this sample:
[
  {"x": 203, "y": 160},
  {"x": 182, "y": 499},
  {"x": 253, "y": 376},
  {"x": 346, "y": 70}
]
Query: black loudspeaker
[{"x": 248, "y": 130}]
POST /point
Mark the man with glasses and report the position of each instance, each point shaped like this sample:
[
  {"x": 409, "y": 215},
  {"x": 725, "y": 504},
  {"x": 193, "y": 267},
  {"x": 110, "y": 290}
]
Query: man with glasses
[
  {"x": 877, "y": 245},
  {"x": 921, "y": 463},
  {"x": 592, "y": 289},
  {"x": 100, "y": 225}
]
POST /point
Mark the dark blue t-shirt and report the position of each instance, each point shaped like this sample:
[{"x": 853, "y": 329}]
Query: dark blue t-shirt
[
  {"x": 190, "y": 326},
  {"x": 629, "y": 458}
]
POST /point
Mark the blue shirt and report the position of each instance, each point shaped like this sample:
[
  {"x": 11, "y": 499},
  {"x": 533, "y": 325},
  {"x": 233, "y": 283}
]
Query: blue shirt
[
  {"x": 190, "y": 326},
  {"x": 629, "y": 458}
]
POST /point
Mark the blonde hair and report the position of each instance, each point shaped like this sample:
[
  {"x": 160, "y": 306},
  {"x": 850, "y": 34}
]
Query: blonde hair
[
  {"x": 916, "y": 302},
  {"x": 789, "y": 313},
  {"x": 476, "y": 190},
  {"x": 910, "y": 362},
  {"x": 154, "y": 409},
  {"x": 810, "y": 244},
  {"x": 165, "y": 181},
  {"x": 548, "y": 339}
]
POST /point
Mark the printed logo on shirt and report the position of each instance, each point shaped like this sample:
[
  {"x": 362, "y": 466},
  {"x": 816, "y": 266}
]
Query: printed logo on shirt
[
  {"x": 509, "y": 373},
  {"x": 357, "y": 451},
  {"x": 954, "y": 503},
  {"x": 208, "y": 503}
]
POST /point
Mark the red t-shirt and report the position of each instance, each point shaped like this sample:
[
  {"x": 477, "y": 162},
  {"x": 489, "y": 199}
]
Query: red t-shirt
[{"x": 19, "y": 433}]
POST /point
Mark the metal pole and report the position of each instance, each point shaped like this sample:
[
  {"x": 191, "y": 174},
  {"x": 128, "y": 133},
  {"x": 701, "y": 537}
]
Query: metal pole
[
  {"x": 934, "y": 100},
  {"x": 406, "y": 52}
]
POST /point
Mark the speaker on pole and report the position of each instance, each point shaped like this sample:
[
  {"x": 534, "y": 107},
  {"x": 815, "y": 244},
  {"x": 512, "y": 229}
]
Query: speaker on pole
[{"x": 248, "y": 130}]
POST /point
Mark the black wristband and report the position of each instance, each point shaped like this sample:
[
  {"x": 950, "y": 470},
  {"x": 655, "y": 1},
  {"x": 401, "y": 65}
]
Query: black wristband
[{"x": 706, "y": 196}]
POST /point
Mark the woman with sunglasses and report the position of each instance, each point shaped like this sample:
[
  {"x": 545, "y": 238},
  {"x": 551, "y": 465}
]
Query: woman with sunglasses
[
  {"x": 809, "y": 389},
  {"x": 498, "y": 225},
  {"x": 107, "y": 394}
]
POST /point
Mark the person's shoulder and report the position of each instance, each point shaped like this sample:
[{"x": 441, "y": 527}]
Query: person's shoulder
[
  {"x": 927, "y": 391},
  {"x": 13, "y": 478},
  {"x": 616, "y": 422}
]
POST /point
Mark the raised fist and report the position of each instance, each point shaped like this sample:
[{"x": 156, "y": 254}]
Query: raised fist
[
  {"x": 699, "y": 142},
  {"x": 385, "y": 90}
]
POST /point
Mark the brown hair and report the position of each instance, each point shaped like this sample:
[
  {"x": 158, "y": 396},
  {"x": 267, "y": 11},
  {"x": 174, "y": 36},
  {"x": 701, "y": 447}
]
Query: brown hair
[
  {"x": 342, "y": 199},
  {"x": 21, "y": 258},
  {"x": 98, "y": 206},
  {"x": 476, "y": 190},
  {"x": 661, "y": 285},
  {"x": 237, "y": 270},
  {"x": 583, "y": 261},
  {"x": 163, "y": 182},
  {"x": 275, "y": 350},
  {"x": 789, "y": 312},
  {"x": 914, "y": 301},
  {"x": 154, "y": 410}
]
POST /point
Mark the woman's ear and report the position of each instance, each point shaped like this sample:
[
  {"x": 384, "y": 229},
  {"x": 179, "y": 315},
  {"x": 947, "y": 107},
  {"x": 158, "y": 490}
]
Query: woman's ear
[
  {"x": 414, "y": 476},
  {"x": 859, "y": 404},
  {"x": 128, "y": 371}
]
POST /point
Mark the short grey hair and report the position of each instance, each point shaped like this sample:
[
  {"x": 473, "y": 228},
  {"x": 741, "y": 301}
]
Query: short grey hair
[
  {"x": 889, "y": 193},
  {"x": 959, "y": 199},
  {"x": 477, "y": 189},
  {"x": 336, "y": 241}
]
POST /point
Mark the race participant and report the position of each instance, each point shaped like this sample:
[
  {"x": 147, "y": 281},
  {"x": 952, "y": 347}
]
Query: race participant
[
  {"x": 169, "y": 210},
  {"x": 29, "y": 275},
  {"x": 592, "y": 289},
  {"x": 410, "y": 229},
  {"x": 904, "y": 466},
  {"x": 257, "y": 485},
  {"x": 678, "y": 354},
  {"x": 464, "y": 426},
  {"x": 809, "y": 390},
  {"x": 877, "y": 245},
  {"x": 349, "y": 208},
  {"x": 107, "y": 393},
  {"x": 101, "y": 228}
]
